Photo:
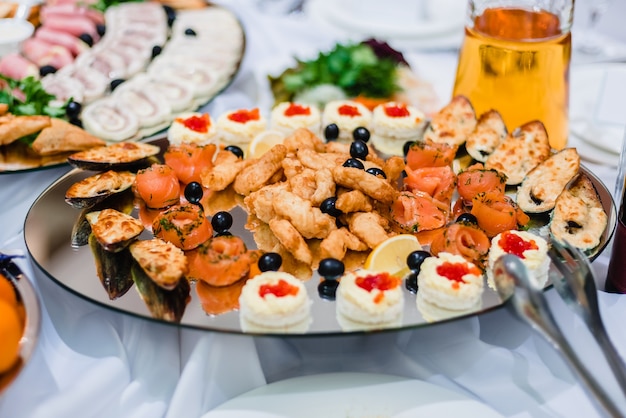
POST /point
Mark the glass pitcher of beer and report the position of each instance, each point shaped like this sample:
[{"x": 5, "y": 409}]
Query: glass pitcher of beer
[{"x": 515, "y": 59}]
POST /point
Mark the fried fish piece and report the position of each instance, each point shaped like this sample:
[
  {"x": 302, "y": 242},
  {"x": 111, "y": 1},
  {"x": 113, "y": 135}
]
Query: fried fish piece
[
  {"x": 62, "y": 136},
  {"x": 338, "y": 242},
  {"x": 304, "y": 184},
  {"x": 292, "y": 166},
  {"x": 373, "y": 186},
  {"x": 291, "y": 239},
  {"x": 353, "y": 201},
  {"x": 325, "y": 186},
  {"x": 317, "y": 161},
  {"x": 302, "y": 138},
  {"x": 369, "y": 227},
  {"x": 225, "y": 169},
  {"x": 307, "y": 219},
  {"x": 257, "y": 174},
  {"x": 14, "y": 127},
  {"x": 393, "y": 168},
  {"x": 260, "y": 203}
]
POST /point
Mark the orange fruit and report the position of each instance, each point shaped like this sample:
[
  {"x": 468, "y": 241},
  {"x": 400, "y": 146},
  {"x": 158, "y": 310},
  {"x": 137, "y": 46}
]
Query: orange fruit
[
  {"x": 10, "y": 335},
  {"x": 7, "y": 292}
]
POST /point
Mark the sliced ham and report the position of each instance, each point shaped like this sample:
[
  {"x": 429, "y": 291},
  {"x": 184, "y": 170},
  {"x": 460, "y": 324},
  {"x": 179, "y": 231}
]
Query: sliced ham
[
  {"x": 57, "y": 37},
  {"x": 44, "y": 53},
  {"x": 75, "y": 25},
  {"x": 70, "y": 10},
  {"x": 16, "y": 66}
]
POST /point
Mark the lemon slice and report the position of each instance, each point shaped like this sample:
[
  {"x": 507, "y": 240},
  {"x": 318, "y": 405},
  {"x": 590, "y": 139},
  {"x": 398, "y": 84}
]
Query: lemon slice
[
  {"x": 390, "y": 255},
  {"x": 262, "y": 142}
]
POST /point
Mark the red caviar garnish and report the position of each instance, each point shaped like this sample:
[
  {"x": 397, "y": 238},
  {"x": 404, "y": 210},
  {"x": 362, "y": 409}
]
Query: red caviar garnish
[
  {"x": 381, "y": 281},
  {"x": 455, "y": 272},
  {"x": 280, "y": 289},
  {"x": 295, "y": 109},
  {"x": 514, "y": 244},
  {"x": 397, "y": 111},
  {"x": 347, "y": 110},
  {"x": 244, "y": 115},
  {"x": 196, "y": 123}
]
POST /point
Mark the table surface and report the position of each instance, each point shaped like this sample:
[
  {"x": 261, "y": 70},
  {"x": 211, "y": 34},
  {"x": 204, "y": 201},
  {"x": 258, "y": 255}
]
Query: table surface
[{"x": 91, "y": 362}]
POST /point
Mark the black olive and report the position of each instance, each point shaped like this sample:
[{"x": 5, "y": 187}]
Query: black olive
[
  {"x": 328, "y": 206},
  {"x": 467, "y": 218},
  {"x": 403, "y": 174},
  {"x": 47, "y": 69},
  {"x": 416, "y": 258},
  {"x": 331, "y": 268},
  {"x": 235, "y": 150},
  {"x": 407, "y": 147},
  {"x": 411, "y": 282},
  {"x": 86, "y": 38},
  {"x": 73, "y": 109},
  {"x": 361, "y": 133},
  {"x": 327, "y": 289},
  {"x": 222, "y": 221},
  {"x": 270, "y": 262},
  {"x": 193, "y": 192},
  {"x": 375, "y": 171},
  {"x": 224, "y": 234},
  {"x": 115, "y": 83},
  {"x": 76, "y": 122},
  {"x": 358, "y": 149},
  {"x": 331, "y": 132},
  {"x": 156, "y": 51},
  {"x": 101, "y": 29},
  {"x": 170, "y": 13},
  {"x": 354, "y": 163},
  {"x": 190, "y": 32}
]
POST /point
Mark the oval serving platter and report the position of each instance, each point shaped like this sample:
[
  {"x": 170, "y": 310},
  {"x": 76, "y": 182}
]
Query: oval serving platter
[
  {"x": 48, "y": 229},
  {"x": 19, "y": 157}
]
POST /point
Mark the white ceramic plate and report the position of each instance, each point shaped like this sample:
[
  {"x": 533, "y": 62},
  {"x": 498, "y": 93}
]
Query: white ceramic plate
[
  {"x": 400, "y": 18},
  {"x": 427, "y": 35},
  {"x": 354, "y": 395},
  {"x": 597, "y": 116}
]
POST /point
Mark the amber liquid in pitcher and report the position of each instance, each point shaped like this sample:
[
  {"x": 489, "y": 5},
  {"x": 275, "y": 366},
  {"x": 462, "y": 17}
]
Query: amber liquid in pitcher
[{"x": 517, "y": 62}]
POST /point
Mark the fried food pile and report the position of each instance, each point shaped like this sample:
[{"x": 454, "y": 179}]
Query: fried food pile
[{"x": 292, "y": 192}]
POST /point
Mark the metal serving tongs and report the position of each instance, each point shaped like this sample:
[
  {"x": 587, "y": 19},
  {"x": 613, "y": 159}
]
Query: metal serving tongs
[
  {"x": 577, "y": 287},
  {"x": 527, "y": 300}
]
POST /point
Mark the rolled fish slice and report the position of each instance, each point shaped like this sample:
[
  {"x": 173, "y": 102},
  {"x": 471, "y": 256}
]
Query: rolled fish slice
[
  {"x": 105, "y": 119},
  {"x": 149, "y": 106}
]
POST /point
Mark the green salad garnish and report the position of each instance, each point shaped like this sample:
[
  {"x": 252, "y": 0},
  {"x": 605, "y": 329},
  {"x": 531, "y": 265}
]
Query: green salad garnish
[
  {"x": 366, "y": 69},
  {"x": 103, "y": 5},
  {"x": 28, "y": 97}
]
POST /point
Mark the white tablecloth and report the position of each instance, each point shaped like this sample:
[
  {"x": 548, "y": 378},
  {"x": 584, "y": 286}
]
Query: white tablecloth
[{"x": 91, "y": 362}]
